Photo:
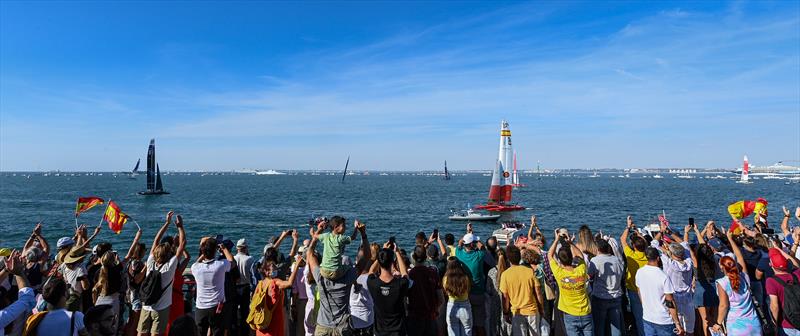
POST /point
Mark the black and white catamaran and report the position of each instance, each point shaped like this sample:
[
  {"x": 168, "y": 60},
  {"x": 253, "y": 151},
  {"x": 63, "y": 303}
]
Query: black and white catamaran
[{"x": 154, "y": 186}]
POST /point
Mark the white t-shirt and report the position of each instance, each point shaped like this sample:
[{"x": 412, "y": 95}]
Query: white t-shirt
[
  {"x": 361, "y": 312},
  {"x": 653, "y": 285},
  {"x": 56, "y": 323},
  {"x": 210, "y": 278},
  {"x": 167, "y": 274},
  {"x": 73, "y": 277},
  {"x": 244, "y": 263}
]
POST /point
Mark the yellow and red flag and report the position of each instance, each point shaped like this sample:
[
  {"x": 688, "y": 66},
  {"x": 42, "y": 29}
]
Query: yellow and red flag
[
  {"x": 742, "y": 209},
  {"x": 86, "y": 203},
  {"x": 736, "y": 228},
  {"x": 115, "y": 217}
]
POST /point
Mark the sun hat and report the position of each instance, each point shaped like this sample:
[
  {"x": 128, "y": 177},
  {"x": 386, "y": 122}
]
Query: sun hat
[
  {"x": 76, "y": 254},
  {"x": 241, "y": 243},
  {"x": 64, "y": 242}
]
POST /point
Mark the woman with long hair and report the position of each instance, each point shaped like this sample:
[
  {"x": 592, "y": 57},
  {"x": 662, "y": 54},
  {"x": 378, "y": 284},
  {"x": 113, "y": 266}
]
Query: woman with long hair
[
  {"x": 586, "y": 242},
  {"x": 109, "y": 280},
  {"x": 497, "y": 323},
  {"x": 456, "y": 284},
  {"x": 737, "y": 315}
]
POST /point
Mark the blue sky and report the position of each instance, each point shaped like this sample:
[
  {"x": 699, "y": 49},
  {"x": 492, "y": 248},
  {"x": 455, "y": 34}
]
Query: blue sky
[{"x": 397, "y": 85}]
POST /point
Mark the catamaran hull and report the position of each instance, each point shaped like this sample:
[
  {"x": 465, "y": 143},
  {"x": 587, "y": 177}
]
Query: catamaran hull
[
  {"x": 153, "y": 193},
  {"x": 500, "y": 208}
]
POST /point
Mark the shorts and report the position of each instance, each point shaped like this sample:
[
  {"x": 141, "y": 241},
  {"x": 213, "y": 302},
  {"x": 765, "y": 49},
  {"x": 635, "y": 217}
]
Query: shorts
[
  {"x": 478, "y": 303},
  {"x": 321, "y": 330},
  {"x": 153, "y": 322},
  {"x": 331, "y": 274}
]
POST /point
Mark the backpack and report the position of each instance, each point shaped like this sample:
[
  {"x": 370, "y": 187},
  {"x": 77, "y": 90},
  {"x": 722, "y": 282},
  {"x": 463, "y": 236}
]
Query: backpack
[
  {"x": 32, "y": 324},
  {"x": 260, "y": 315},
  {"x": 791, "y": 300},
  {"x": 150, "y": 291}
]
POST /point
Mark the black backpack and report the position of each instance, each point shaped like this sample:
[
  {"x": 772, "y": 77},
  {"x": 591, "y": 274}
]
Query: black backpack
[
  {"x": 791, "y": 300},
  {"x": 150, "y": 291}
]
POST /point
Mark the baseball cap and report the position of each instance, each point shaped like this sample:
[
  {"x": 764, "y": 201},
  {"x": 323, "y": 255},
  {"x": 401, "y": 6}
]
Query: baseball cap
[
  {"x": 470, "y": 238},
  {"x": 715, "y": 243},
  {"x": 777, "y": 259},
  {"x": 241, "y": 243},
  {"x": 64, "y": 242}
]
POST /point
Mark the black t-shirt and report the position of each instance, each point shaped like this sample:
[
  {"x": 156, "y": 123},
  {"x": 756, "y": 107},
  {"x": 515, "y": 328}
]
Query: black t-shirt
[{"x": 388, "y": 301}]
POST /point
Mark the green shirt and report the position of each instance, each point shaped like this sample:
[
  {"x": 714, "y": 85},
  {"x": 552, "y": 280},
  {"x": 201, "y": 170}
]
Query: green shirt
[
  {"x": 333, "y": 249},
  {"x": 474, "y": 262}
]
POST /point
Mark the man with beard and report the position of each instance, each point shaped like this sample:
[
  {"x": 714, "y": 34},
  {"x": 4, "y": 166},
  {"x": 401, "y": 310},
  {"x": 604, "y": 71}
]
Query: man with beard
[{"x": 101, "y": 321}]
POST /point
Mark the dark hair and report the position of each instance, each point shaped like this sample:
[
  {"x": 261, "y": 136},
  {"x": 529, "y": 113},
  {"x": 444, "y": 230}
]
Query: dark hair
[
  {"x": 184, "y": 326},
  {"x": 603, "y": 246},
  {"x": 564, "y": 255},
  {"x": 336, "y": 221},
  {"x": 95, "y": 315},
  {"x": 102, "y": 248},
  {"x": 385, "y": 258},
  {"x": 419, "y": 254},
  {"x": 419, "y": 238},
  {"x": 449, "y": 239},
  {"x": 271, "y": 254},
  {"x": 458, "y": 280},
  {"x": 208, "y": 248},
  {"x": 513, "y": 254},
  {"x": 639, "y": 244},
  {"x": 706, "y": 263},
  {"x": 54, "y": 290},
  {"x": 750, "y": 242},
  {"x": 652, "y": 253}
]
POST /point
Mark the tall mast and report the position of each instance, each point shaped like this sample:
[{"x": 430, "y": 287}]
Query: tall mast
[
  {"x": 151, "y": 165},
  {"x": 345, "y": 168}
]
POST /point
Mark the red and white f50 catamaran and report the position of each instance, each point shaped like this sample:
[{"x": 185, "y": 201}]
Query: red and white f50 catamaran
[{"x": 502, "y": 180}]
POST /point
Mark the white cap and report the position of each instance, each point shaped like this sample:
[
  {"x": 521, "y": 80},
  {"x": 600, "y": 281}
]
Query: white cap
[
  {"x": 241, "y": 243},
  {"x": 469, "y": 238}
]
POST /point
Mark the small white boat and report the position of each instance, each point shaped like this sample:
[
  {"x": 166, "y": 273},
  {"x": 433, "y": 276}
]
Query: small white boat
[
  {"x": 657, "y": 176},
  {"x": 472, "y": 215},
  {"x": 510, "y": 231}
]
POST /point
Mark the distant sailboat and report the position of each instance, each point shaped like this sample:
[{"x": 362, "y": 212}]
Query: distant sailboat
[
  {"x": 344, "y": 173},
  {"x": 745, "y": 177},
  {"x": 154, "y": 185},
  {"x": 446, "y": 173},
  {"x": 135, "y": 171},
  {"x": 538, "y": 170},
  {"x": 501, "y": 188},
  {"x": 514, "y": 176}
]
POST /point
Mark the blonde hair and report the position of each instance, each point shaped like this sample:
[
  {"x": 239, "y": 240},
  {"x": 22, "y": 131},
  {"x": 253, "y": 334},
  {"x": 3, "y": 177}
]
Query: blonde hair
[
  {"x": 163, "y": 253},
  {"x": 101, "y": 287}
]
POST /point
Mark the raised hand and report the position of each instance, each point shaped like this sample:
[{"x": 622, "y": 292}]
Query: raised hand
[
  {"x": 169, "y": 216},
  {"x": 14, "y": 263},
  {"x": 533, "y": 221},
  {"x": 37, "y": 231},
  {"x": 295, "y": 235},
  {"x": 797, "y": 213},
  {"x": 629, "y": 221},
  {"x": 786, "y": 211},
  {"x": 179, "y": 221},
  {"x": 469, "y": 227}
]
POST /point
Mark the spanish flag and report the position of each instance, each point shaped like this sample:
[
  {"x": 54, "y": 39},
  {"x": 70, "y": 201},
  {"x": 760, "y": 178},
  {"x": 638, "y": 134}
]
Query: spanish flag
[
  {"x": 115, "y": 217},
  {"x": 742, "y": 209},
  {"x": 736, "y": 228},
  {"x": 86, "y": 203}
]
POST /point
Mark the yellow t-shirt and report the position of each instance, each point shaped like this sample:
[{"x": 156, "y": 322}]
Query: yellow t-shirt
[
  {"x": 573, "y": 297},
  {"x": 452, "y": 250},
  {"x": 635, "y": 261},
  {"x": 463, "y": 297},
  {"x": 518, "y": 282}
]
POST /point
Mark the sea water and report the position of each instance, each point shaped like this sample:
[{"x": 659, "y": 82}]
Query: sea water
[{"x": 259, "y": 207}]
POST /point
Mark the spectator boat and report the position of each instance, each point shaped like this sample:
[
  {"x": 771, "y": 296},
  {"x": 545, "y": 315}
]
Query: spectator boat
[{"x": 472, "y": 215}]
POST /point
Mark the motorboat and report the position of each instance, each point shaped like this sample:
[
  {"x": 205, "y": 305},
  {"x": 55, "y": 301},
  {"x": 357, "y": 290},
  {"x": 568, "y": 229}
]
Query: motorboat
[
  {"x": 472, "y": 215},
  {"x": 509, "y": 232}
]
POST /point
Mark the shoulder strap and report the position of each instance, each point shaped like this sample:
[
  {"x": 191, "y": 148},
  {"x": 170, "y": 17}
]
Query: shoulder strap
[
  {"x": 72, "y": 324},
  {"x": 780, "y": 281},
  {"x": 794, "y": 277}
]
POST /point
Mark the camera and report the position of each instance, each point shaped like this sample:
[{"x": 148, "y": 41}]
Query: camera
[{"x": 317, "y": 220}]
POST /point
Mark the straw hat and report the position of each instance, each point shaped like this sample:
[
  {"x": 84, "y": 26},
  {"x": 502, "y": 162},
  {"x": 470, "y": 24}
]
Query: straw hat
[{"x": 76, "y": 254}]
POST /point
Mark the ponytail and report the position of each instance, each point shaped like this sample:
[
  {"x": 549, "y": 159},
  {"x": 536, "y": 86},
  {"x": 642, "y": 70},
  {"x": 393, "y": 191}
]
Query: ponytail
[{"x": 731, "y": 270}]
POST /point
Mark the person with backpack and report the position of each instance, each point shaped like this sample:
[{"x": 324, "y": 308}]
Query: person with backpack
[
  {"x": 154, "y": 291},
  {"x": 209, "y": 274},
  {"x": 57, "y": 320},
  {"x": 267, "y": 315},
  {"x": 784, "y": 291}
]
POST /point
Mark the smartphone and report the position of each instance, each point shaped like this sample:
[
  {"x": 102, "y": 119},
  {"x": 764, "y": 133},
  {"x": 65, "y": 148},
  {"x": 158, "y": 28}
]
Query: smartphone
[
  {"x": 289, "y": 232},
  {"x": 435, "y": 233},
  {"x": 218, "y": 238},
  {"x": 691, "y": 221},
  {"x": 391, "y": 240}
]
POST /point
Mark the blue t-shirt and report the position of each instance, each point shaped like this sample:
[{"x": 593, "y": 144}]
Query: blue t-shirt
[{"x": 56, "y": 323}]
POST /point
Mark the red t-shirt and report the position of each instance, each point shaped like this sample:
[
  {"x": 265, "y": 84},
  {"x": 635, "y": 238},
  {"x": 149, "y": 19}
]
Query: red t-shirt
[{"x": 775, "y": 288}]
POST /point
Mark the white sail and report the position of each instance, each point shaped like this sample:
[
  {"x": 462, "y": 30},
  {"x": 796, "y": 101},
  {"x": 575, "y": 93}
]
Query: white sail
[
  {"x": 506, "y": 155},
  {"x": 745, "y": 177}
]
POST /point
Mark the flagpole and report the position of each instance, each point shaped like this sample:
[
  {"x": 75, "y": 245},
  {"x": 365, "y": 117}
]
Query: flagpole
[
  {"x": 76, "y": 221},
  {"x": 137, "y": 224},
  {"x": 104, "y": 212}
]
